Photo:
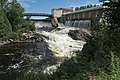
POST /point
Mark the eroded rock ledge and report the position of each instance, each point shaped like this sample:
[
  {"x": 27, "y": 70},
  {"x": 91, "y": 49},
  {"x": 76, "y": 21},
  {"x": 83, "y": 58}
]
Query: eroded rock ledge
[
  {"x": 79, "y": 35},
  {"x": 26, "y": 38}
]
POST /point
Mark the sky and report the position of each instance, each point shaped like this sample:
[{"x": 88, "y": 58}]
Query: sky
[{"x": 45, "y": 6}]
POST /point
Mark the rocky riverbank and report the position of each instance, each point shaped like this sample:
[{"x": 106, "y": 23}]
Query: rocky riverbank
[
  {"x": 79, "y": 34},
  {"x": 29, "y": 37}
]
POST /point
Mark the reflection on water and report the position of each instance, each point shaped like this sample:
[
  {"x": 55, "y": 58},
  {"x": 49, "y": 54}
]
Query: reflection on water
[{"x": 14, "y": 58}]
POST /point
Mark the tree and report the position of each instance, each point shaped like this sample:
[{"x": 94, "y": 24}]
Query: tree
[
  {"x": 84, "y": 7},
  {"x": 15, "y": 14},
  {"x": 76, "y": 9},
  {"x": 5, "y": 26},
  {"x": 112, "y": 13},
  {"x": 2, "y": 4},
  {"x": 12, "y": 22}
]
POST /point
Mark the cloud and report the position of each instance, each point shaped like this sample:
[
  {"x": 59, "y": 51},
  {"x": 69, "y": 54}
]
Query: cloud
[
  {"x": 34, "y": 1},
  {"x": 26, "y": 3}
]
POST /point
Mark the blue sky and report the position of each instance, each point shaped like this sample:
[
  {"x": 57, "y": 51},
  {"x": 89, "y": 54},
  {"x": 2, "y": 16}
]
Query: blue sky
[{"x": 45, "y": 6}]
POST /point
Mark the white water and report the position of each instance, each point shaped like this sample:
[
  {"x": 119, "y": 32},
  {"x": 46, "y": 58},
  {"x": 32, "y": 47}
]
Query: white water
[
  {"x": 61, "y": 44},
  {"x": 42, "y": 23},
  {"x": 79, "y": 23}
]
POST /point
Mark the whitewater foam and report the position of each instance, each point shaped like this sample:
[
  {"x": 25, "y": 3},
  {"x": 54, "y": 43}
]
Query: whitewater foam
[{"x": 60, "y": 43}]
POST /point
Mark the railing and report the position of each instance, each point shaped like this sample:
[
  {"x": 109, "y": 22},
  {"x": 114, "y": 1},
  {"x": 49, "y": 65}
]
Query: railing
[{"x": 38, "y": 14}]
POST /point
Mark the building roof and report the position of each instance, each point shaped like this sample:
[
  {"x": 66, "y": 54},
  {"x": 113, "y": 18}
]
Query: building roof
[{"x": 84, "y": 10}]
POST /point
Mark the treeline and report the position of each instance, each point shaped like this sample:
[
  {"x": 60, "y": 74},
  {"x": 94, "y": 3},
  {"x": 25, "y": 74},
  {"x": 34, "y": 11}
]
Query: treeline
[
  {"x": 12, "y": 21},
  {"x": 85, "y": 7}
]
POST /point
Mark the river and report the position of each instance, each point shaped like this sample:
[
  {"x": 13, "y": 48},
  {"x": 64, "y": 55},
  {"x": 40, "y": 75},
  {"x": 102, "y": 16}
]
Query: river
[{"x": 18, "y": 58}]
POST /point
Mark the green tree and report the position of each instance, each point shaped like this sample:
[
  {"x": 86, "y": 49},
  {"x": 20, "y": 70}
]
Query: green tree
[
  {"x": 76, "y": 9},
  {"x": 15, "y": 14},
  {"x": 5, "y": 26},
  {"x": 112, "y": 13},
  {"x": 12, "y": 22},
  {"x": 2, "y": 4},
  {"x": 84, "y": 7}
]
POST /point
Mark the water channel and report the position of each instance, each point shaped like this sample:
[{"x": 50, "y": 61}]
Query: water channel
[{"x": 17, "y": 58}]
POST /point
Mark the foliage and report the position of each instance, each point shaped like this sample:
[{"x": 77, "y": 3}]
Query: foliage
[
  {"x": 15, "y": 14},
  {"x": 12, "y": 22},
  {"x": 34, "y": 75},
  {"x": 112, "y": 13},
  {"x": 2, "y": 4},
  {"x": 11, "y": 35},
  {"x": 5, "y": 26},
  {"x": 115, "y": 74},
  {"x": 73, "y": 69},
  {"x": 85, "y": 7}
]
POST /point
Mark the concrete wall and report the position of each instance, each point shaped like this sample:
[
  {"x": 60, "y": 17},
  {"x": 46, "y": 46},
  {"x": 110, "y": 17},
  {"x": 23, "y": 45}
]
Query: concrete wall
[
  {"x": 88, "y": 14},
  {"x": 57, "y": 13}
]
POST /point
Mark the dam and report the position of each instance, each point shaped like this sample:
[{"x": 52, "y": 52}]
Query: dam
[{"x": 84, "y": 18}]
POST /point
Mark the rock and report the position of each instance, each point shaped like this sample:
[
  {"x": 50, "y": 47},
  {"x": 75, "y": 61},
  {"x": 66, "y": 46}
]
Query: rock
[
  {"x": 24, "y": 34},
  {"x": 1, "y": 44},
  {"x": 11, "y": 40},
  {"x": 8, "y": 42},
  {"x": 27, "y": 37},
  {"x": 79, "y": 35},
  {"x": 39, "y": 39},
  {"x": 32, "y": 37}
]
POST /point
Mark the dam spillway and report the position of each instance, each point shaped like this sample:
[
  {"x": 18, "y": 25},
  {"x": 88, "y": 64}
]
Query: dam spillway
[{"x": 79, "y": 23}]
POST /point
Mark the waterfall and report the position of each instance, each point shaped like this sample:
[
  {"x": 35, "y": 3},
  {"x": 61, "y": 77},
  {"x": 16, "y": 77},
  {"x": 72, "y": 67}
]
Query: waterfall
[
  {"x": 79, "y": 23},
  {"x": 62, "y": 45},
  {"x": 75, "y": 24},
  {"x": 42, "y": 23},
  {"x": 69, "y": 23},
  {"x": 87, "y": 24}
]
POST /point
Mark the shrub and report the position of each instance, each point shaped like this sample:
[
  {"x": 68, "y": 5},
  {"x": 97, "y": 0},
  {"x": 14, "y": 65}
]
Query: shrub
[{"x": 34, "y": 75}]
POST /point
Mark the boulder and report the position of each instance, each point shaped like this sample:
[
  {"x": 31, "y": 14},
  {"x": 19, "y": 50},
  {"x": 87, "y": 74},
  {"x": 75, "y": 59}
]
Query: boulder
[{"x": 79, "y": 35}]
